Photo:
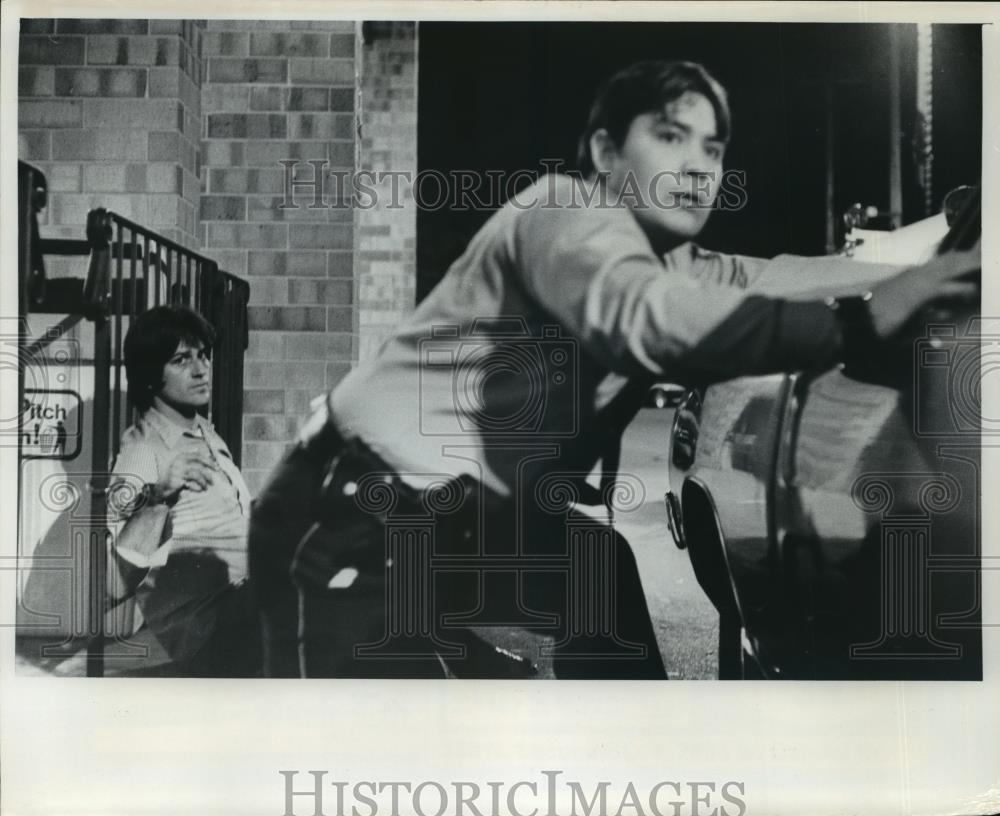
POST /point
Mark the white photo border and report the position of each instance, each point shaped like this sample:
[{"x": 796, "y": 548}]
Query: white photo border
[{"x": 114, "y": 746}]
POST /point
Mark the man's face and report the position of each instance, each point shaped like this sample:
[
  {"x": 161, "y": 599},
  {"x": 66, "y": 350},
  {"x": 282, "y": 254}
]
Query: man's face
[
  {"x": 669, "y": 168},
  {"x": 187, "y": 378}
]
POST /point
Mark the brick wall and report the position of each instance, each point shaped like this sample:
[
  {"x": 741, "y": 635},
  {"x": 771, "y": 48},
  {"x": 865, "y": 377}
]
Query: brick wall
[
  {"x": 385, "y": 262},
  {"x": 183, "y": 126},
  {"x": 274, "y": 92},
  {"x": 110, "y": 110}
]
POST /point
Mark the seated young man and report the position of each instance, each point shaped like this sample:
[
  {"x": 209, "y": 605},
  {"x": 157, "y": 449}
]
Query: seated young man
[
  {"x": 514, "y": 378},
  {"x": 194, "y": 598}
]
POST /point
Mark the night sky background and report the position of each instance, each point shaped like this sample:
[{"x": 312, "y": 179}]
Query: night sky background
[{"x": 505, "y": 96}]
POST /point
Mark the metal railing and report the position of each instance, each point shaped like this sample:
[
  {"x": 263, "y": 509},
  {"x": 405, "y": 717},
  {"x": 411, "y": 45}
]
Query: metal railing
[
  {"x": 133, "y": 269},
  {"x": 130, "y": 269}
]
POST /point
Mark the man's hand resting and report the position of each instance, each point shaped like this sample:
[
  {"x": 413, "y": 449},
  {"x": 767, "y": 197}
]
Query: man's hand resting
[{"x": 895, "y": 300}]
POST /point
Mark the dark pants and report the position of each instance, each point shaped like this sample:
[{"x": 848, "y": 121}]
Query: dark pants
[
  {"x": 208, "y": 626},
  {"x": 365, "y": 577}
]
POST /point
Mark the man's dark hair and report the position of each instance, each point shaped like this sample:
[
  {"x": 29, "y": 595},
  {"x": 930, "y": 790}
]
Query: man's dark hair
[
  {"x": 643, "y": 88},
  {"x": 152, "y": 340}
]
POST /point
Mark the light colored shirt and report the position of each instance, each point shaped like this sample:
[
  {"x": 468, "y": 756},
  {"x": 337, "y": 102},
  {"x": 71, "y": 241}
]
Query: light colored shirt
[
  {"x": 554, "y": 305},
  {"x": 215, "y": 519}
]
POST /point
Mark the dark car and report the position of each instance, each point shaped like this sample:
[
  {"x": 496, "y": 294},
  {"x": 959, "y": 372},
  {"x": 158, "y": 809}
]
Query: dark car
[{"x": 833, "y": 520}]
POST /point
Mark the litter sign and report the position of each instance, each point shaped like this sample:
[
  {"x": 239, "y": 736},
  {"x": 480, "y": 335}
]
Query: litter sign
[{"x": 50, "y": 424}]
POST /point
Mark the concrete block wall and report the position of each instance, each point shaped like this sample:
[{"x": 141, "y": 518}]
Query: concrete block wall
[
  {"x": 183, "y": 126},
  {"x": 110, "y": 110},
  {"x": 387, "y": 233},
  {"x": 282, "y": 92}
]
